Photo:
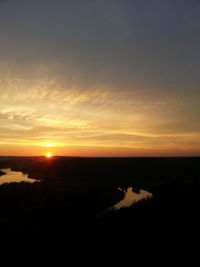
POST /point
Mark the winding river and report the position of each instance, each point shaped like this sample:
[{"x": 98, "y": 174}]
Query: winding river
[
  {"x": 14, "y": 177},
  {"x": 131, "y": 197}
]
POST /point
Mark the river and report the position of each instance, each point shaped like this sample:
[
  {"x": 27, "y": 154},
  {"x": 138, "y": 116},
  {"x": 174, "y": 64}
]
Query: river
[
  {"x": 131, "y": 197},
  {"x": 15, "y": 177}
]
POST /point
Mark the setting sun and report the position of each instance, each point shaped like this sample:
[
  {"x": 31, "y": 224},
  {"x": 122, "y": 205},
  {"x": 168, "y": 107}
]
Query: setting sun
[{"x": 48, "y": 155}]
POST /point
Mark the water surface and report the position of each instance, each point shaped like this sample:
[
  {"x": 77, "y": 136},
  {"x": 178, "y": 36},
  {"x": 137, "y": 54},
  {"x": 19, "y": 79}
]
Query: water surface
[
  {"x": 131, "y": 197},
  {"x": 14, "y": 177}
]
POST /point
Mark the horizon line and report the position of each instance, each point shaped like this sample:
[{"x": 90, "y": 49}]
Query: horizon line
[{"x": 67, "y": 156}]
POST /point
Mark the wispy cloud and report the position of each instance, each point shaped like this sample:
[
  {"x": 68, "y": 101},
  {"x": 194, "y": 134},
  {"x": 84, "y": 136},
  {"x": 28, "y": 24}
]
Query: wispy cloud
[
  {"x": 100, "y": 74},
  {"x": 100, "y": 118}
]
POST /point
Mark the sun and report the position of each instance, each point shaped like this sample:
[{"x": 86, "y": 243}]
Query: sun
[{"x": 48, "y": 155}]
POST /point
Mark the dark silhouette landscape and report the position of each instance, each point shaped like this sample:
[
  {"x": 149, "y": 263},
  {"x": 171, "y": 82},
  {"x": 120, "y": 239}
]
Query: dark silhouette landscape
[
  {"x": 69, "y": 205},
  {"x": 74, "y": 193}
]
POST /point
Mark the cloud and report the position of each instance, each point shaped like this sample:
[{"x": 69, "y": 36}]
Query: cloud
[
  {"x": 40, "y": 115},
  {"x": 100, "y": 73},
  {"x": 104, "y": 43}
]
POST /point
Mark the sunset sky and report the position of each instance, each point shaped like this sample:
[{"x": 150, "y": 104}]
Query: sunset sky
[{"x": 100, "y": 77}]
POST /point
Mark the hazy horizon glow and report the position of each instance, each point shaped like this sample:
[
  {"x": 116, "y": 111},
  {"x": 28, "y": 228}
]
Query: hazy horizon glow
[{"x": 100, "y": 78}]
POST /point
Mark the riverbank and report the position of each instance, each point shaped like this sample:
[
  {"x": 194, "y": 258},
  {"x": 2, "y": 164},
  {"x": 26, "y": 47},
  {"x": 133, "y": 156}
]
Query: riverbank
[{"x": 2, "y": 173}]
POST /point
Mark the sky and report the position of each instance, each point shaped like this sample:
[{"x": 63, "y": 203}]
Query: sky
[{"x": 100, "y": 77}]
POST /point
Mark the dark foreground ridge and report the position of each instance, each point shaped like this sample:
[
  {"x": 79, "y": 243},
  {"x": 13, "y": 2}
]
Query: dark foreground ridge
[{"x": 66, "y": 204}]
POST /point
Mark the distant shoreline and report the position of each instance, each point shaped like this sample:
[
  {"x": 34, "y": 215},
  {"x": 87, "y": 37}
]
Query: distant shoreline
[{"x": 106, "y": 157}]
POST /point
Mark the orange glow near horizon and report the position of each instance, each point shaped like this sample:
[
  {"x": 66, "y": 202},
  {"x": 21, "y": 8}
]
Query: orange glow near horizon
[
  {"x": 98, "y": 151},
  {"x": 49, "y": 155},
  {"x": 69, "y": 91}
]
